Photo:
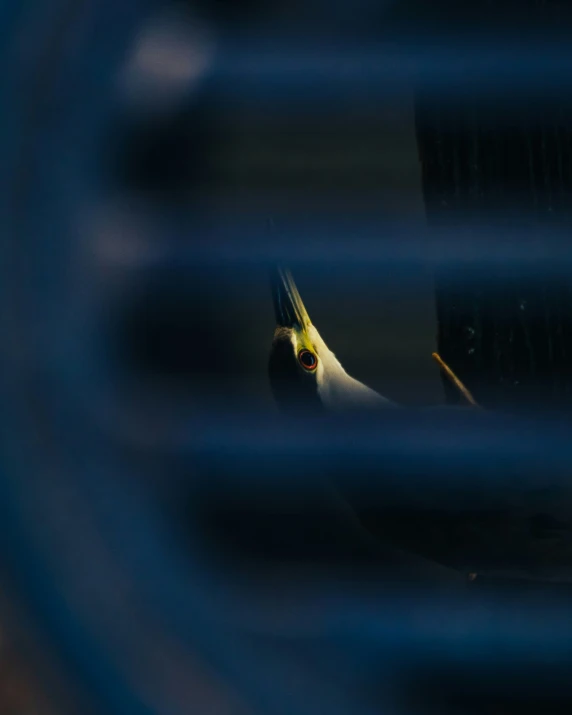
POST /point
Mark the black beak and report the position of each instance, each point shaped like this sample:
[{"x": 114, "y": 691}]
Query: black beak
[{"x": 288, "y": 306}]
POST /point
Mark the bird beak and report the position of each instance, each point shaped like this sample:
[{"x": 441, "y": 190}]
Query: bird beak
[{"x": 288, "y": 306}]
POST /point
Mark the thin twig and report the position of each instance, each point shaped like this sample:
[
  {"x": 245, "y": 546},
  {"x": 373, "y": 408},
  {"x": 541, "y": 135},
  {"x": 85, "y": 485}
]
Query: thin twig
[{"x": 455, "y": 380}]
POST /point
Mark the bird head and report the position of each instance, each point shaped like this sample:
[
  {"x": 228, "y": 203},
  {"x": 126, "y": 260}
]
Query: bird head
[{"x": 303, "y": 370}]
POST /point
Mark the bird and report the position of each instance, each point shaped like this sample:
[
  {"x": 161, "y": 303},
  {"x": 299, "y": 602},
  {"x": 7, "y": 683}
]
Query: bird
[{"x": 304, "y": 371}]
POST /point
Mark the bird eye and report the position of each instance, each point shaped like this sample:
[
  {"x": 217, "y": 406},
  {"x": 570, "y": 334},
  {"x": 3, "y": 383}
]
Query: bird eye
[{"x": 307, "y": 359}]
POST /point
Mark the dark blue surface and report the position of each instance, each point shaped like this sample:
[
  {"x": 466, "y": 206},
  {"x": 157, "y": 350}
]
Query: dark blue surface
[{"x": 118, "y": 594}]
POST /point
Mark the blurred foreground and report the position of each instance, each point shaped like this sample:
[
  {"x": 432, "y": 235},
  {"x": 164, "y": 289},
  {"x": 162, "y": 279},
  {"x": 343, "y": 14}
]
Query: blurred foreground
[{"x": 169, "y": 542}]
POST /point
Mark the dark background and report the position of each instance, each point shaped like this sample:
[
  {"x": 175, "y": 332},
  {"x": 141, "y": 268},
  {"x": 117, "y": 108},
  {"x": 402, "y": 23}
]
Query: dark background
[
  {"x": 158, "y": 158},
  {"x": 281, "y": 162}
]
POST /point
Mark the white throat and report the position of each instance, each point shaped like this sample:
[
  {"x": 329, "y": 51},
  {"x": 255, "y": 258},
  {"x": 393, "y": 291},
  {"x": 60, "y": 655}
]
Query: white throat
[{"x": 336, "y": 389}]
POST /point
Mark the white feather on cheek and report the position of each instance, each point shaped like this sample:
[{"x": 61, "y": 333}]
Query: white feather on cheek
[{"x": 337, "y": 389}]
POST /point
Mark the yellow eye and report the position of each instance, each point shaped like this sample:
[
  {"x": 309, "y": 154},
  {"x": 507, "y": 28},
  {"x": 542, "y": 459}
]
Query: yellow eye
[{"x": 308, "y": 360}]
